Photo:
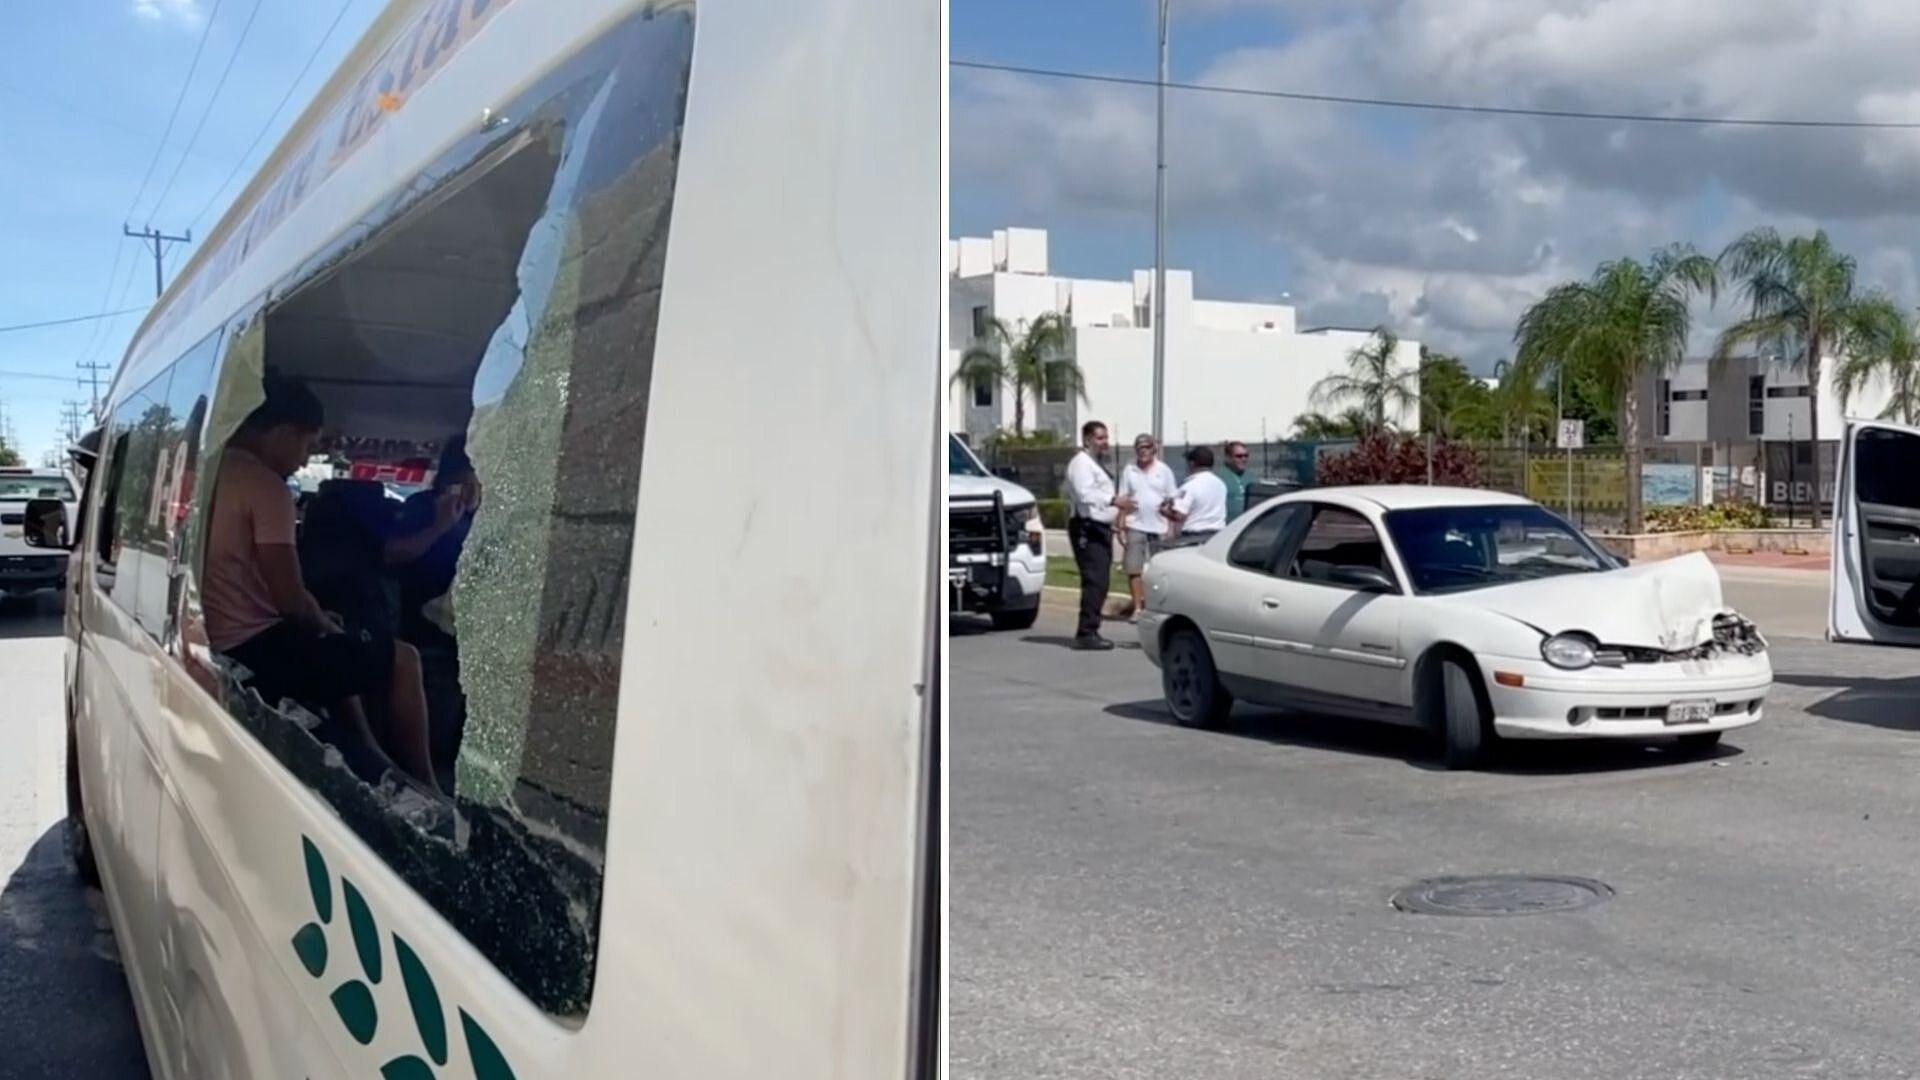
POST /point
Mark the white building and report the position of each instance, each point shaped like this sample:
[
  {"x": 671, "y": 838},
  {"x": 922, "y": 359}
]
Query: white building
[
  {"x": 1746, "y": 398},
  {"x": 1233, "y": 370}
]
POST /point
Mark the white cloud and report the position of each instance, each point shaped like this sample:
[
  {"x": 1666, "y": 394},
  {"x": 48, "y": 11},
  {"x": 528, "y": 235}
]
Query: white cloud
[
  {"x": 183, "y": 11},
  {"x": 1451, "y": 224}
]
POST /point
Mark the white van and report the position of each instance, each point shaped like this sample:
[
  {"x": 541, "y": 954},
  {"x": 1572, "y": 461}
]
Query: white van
[
  {"x": 1875, "y": 584},
  {"x": 687, "y": 747}
]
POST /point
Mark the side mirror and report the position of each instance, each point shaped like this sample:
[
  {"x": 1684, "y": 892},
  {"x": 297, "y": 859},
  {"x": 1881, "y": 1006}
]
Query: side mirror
[
  {"x": 1007, "y": 472},
  {"x": 46, "y": 524},
  {"x": 1363, "y": 578}
]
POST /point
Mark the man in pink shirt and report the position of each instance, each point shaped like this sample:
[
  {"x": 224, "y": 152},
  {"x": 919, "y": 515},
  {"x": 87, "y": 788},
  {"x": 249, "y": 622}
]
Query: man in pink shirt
[{"x": 258, "y": 609}]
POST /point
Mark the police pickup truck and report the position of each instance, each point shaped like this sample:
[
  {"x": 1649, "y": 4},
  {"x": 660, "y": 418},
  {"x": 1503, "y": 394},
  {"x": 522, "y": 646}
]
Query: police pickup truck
[
  {"x": 996, "y": 547},
  {"x": 27, "y": 568}
]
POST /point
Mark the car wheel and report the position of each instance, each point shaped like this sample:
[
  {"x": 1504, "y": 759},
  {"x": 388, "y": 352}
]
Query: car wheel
[
  {"x": 1702, "y": 743},
  {"x": 81, "y": 844},
  {"x": 1463, "y": 717},
  {"x": 1022, "y": 619},
  {"x": 1192, "y": 686}
]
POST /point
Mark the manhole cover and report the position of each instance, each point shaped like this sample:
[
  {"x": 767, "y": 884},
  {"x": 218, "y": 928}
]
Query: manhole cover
[{"x": 1501, "y": 894}]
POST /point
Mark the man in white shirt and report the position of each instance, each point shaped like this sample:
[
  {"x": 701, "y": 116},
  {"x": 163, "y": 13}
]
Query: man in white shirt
[
  {"x": 1092, "y": 506},
  {"x": 1150, "y": 485},
  {"x": 1200, "y": 508}
]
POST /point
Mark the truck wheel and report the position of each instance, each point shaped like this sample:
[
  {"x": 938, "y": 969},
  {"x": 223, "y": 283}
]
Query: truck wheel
[
  {"x": 1018, "y": 619},
  {"x": 1191, "y": 683}
]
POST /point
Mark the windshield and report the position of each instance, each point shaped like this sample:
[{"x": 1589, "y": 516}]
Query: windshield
[
  {"x": 959, "y": 461},
  {"x": 14, "y": 488},
  {"x": 1455, "y": 548}
]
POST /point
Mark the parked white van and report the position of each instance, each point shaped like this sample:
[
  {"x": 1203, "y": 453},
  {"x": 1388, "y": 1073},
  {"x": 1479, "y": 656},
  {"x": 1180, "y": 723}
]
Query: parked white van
[{"x": 685, "y": 750}]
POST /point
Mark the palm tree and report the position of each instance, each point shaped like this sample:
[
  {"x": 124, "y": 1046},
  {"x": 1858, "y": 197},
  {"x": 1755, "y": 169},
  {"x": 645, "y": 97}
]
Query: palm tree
[
  {"x": 1517, "y": 405},
  {"x": 1628, "y": 319},
  {"x": 1351, "y": 423},
  {"x": 1890, "y": 348},
  {"x": 1035, "y": 359},
  {"x": 1800, "y": 297},
  {"x": 1372, "y": 381}
]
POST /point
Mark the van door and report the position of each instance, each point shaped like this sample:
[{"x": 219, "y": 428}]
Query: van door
[{"x": 1875, "y": 589}]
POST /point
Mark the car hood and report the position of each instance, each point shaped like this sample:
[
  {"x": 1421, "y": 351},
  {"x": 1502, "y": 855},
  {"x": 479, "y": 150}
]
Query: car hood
[
  {"x": 1667, "y": 605},
  {"x": 960, "y": 486}
]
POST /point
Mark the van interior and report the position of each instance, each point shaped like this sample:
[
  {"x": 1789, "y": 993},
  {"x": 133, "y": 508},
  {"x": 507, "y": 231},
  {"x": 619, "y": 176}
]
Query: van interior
[
  {"x": 1887, "y": 504},
  {"x": 390, "y": 339}
]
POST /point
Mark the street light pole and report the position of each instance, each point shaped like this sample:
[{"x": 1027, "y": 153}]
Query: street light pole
[{"x": 1160, "y": 235}]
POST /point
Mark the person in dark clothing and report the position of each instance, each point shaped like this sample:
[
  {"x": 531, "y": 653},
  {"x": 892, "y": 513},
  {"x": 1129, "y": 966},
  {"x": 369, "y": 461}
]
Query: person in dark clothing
[
  {"x": 423, "y": 556},
  {"x": 424, "y": 550},
  {"x": 1093, "y": 507}
]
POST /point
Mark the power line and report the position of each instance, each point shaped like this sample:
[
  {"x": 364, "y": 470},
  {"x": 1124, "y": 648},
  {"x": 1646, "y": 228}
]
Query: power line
[
  {"x": 1449, "y": 107},
  {"x": 35, "y": 375},
  {"x": 275, "y": 115},
  {"x": 178, "y": 100},
  {"x": 74, "y": 319},
  {"x": 219, "y": 85}
]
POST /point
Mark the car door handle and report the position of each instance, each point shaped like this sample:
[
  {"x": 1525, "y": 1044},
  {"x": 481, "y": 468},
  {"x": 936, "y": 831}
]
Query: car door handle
[{"x": 1270, "y": 603}]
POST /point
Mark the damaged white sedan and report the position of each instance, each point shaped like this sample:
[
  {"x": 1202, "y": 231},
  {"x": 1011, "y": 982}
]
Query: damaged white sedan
[{"x": 1472, "y": 614}]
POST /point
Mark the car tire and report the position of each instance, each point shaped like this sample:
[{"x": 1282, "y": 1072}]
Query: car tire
[
  {"x": 1194, "y": 693},
  {"x": 80, "y": 842},
  {"x": 1019, "y": 619},
  {"x": 1462, "y": 715},
  {"x": 1705, "y": 742}
]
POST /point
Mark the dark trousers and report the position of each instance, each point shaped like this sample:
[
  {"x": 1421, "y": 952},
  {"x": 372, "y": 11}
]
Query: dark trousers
[{"x": 1093, "y": 555}]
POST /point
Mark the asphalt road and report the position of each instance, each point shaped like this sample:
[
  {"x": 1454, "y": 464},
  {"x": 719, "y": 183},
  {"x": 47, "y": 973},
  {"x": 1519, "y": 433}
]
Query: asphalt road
[
  {"x": 1132, "y": 899},
  {"x": 64, "y": 1006}
]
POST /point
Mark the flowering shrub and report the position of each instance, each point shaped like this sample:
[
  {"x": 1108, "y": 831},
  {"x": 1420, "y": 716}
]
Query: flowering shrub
[
  {"x": 1398, "y": 458},
  {"x": 1737, "y": 515}
]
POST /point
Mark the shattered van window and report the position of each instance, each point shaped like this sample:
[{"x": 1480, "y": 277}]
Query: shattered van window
[{"x": 522, "y": 380}]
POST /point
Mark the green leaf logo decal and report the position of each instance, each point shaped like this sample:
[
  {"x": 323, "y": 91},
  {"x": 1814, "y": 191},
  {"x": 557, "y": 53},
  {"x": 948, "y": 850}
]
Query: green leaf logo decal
[
  {"x": 366, "y": 935},
  {"x": 427, "y": 1013},
  {"x": 488, "y": 1062},
  {"x": 310, "y": 944},
  {"x": 319, "y": 882},
  {"x": 406, "y": 1068},
  {"x": 354, "y": 1002}
]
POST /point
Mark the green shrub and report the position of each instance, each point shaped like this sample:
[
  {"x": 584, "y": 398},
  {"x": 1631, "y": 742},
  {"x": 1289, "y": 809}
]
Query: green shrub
[
  {"x": 1053, "y": 513},
  {"x": 1736, "y": 515}
]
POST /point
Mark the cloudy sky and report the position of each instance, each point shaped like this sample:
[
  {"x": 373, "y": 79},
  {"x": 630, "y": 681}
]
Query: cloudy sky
[{"x": 1445, "y": 226}]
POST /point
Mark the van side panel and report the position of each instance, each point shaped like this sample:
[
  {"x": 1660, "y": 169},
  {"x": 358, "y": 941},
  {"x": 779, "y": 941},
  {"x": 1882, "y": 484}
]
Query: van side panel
[
  {"x": 121, "y": 789},
  {"x": 764, "y": 805}
]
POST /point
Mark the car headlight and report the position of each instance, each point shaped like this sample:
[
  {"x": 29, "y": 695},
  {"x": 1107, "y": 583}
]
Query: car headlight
[
  {"x": 1027, "y": 520},
  {"x": 1571, "y": 651}
]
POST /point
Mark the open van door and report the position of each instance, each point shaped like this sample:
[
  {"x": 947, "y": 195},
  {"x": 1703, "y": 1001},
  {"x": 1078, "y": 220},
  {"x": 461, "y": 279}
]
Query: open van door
[{"x": 1875, "y": 592}]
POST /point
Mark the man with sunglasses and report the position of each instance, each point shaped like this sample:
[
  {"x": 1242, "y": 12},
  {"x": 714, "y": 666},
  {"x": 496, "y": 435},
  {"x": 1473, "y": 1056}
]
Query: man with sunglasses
[{"x": 1233, "y": 473}]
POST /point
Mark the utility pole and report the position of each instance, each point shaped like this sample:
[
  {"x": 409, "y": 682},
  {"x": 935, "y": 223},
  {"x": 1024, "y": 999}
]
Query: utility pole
[
  {"x": 1160, "y": 234},
  {"x": 157, "y": 241},
  {"x": 91, "y": 372},
  {"x": 70, "y": 420}
]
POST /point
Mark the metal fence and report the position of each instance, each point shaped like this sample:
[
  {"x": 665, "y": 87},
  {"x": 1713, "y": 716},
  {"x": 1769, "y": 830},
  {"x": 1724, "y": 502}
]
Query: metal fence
[{"x": 1589, "y": 485}]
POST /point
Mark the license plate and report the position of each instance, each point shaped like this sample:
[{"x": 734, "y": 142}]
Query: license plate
[{"x": 1689, "y": 712}]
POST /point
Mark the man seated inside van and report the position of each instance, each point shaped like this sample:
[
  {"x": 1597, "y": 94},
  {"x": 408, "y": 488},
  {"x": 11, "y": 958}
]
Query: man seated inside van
[{"x": 258, "y": 609}]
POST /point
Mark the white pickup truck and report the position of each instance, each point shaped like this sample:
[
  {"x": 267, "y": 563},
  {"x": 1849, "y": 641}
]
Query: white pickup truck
[
  {"x": 996, "y": 546},
  {"x": 26, "y": 568}
]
